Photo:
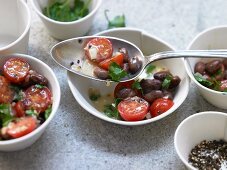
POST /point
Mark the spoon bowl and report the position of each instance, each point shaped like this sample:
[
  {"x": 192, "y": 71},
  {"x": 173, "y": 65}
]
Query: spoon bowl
[{"x": 70, "y": 54}]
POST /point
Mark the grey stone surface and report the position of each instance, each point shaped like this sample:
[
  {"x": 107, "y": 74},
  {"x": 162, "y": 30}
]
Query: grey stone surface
[{"x": 77, "y": 140}]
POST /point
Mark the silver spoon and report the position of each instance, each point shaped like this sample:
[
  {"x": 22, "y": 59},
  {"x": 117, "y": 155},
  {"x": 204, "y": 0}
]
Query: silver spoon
[{"x": 70, "y": 55}]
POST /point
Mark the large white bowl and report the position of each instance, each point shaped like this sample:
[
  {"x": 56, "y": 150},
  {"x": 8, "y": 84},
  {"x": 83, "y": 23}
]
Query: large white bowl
[
  {"x": 196, "y": 128},
  {"x": 66, "y": 30},
  {"x": 44, "y": 69},
  {"x": 213, "y": 38},
  {"x": 15, "y": 19},
  {"x": 148, "y": 44}
]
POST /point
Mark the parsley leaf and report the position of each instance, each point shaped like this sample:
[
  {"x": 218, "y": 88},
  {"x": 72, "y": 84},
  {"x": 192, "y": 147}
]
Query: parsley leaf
[
  {"x": 48, "y": 112},
  {"x": 5, "y": 116},
  {"x": 31, "y": 112},
  {"x": 18, "y": 93},
  {"x": 202, "y": 80},
  {"x": 118, "y": 21},
  {"x": 166, "y": 82},
  {"x": 39, "y": 86},
  {"x": 94, "y": 97},
  {"x": 136, "y": 85},
  {"x": 116, "y": 72},
  {"x": 150, "y": 68},
  {"x": 111, "y": 109}
]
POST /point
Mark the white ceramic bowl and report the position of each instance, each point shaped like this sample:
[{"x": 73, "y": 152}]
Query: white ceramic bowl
[
  {"x": 196, "y": 128},
  {"x": 148, "y": 44},
  {"x": 213, "y": 38},
  {"x": 66, "y": 30},
  {"x": 15, "y": 22},
  {"x": 44, "y": 69}
]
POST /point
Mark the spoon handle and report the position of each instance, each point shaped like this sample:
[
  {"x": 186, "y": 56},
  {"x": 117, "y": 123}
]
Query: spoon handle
[{"x": 187, "y": 54}]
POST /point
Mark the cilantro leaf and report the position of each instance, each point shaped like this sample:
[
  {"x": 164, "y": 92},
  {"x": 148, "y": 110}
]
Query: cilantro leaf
[
  {"x": 202, "y": 80},
  {"x": 150, "y": 68},
  {"x": 166, "y": 82},
  {"x": 5, "y": 116},
  {"x": 31, "y": 112},
  {"x": 18, "y": 93},
  {"x": 94, "y": 97},
  {"x": 136, "y": 85},
  {"x": 48, "y": 112},
  {"x": 118, "y": 21},
  {"x": 39, "y": 86},
  {"x": 116, "y": 72},
  {"x": 111, "y": 111}
]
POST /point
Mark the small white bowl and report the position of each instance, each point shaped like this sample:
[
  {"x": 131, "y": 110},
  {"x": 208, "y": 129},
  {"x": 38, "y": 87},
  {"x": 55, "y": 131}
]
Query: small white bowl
[
  {"x": 213, "y": 38},
  {"x": 66, "y": 30},
  {"x": 15, "y": 19},
  {"x": 148, "y": 44},
  {"x": 44, "y": 69},
  {"x": 196, "y": 128}
]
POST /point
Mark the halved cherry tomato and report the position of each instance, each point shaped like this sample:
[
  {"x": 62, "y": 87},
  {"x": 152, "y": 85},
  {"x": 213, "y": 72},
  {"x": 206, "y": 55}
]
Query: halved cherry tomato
[
  {"x": 37, "y": 98},
  {"x": 122, "y": 85},
  {"x": 133, "y": 108},
  {"x": 104, "y": 49},
  {"x": 19, "y": 109},
  {"x": 6, "y": 93},
  {"x": 16, "y": 69},
  {"x": 117, "y": 59},
  {"x": 160, "y": 106},
  {"x": 21, "y": 127},
  {"x": 223, "y": 85}
]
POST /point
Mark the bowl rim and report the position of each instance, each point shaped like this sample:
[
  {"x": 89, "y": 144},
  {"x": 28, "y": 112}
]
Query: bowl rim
[
  {"x": 187, "y": 63},
  {"x": 54, "y": 109},
  {"x": 128, "y": 123},
  {"x": 182, "y": 124},
  {"x": 26, "y": 30},
  {"x": 90, "y": 14}
]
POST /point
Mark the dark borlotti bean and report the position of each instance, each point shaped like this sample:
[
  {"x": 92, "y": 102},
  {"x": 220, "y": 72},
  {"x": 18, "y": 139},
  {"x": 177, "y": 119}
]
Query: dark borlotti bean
[
  {"x": 134, "y": 64},
  {"x": 161, "y": 75},
  {"x": 126, "y": 67},
  {"x": 200, "y": 67},
  {"x": 152, "y": 95},
  {"x": 225, "y": 75},
  {"x": 175, "y": 82},
  {"x": 101, "y": 73},
  {"x": 225, "y": 63},
  {"x": 124, "y": 51},
  {"x": 125, "y": 92},
  {"x": 213, "y": 66},
  {"x": 34, "y": 78},
  {"x": 167, "y": 94},
  {"x": 220, "y": 73},
  {"x": 150, "y": 84}
]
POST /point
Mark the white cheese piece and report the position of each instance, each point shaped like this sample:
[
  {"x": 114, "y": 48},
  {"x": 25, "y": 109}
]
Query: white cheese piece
[{"x": 93, "y": 51}]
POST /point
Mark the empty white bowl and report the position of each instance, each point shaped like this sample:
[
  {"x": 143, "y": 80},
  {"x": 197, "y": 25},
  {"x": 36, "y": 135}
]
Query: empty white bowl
[
  {"x": 44, "y": 69},
  {"x": 15, "y": 22},
  {"x": 148, "y": 44},
  {"x": 213, "y": 38},
  {"x": 66, "y": 30},
  {"x": 196, "y": 128}
]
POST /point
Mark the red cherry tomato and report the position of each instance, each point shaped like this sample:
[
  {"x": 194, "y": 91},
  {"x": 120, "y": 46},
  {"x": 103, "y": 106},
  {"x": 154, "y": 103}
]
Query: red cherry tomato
[
  {"x": 133, "y": 108},
  {"x": 6, "y": 93},
  {"x": 19, "y": 109},
  {"x": 117, "y": 59},
  {"x": 104, "y": 49},
  {"x": 160, "y": 106},
  {"x": 21, "y": 127},
  {"x": 37, "y": 98},
  {"x": 16, "y": 69}
]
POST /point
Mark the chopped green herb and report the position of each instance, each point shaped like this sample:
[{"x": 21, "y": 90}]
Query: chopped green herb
[
  {"x": 166, "y": 82},
  {"x": 94, "y": 97},
  {"x": 118, "y": 21},
  {"x": 111, "y": 111},
  {"x": 47, "y": 112},
  {"x": 31, "y": 112},
  {"x": 5, "y": 116},
  {"x": 18, "y": 93},
  {"x": 116, "y": 72},
  {"x": 63, "y": 10},
  {"x": 39, "y": 86},
  {"x": 150, "y": 68},
  {"x": 136, "y": 85},
  {"x": 202, "y": 80},
  {"x": 117, "y": 101}
]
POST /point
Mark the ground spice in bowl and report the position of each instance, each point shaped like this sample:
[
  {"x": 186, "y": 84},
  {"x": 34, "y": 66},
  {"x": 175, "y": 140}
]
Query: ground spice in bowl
[{"x": 210, "y": 155}]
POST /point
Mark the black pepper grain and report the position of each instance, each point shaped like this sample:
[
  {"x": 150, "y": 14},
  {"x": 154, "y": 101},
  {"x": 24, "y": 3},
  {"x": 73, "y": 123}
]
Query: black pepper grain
[{"x": 210, "y": 155}]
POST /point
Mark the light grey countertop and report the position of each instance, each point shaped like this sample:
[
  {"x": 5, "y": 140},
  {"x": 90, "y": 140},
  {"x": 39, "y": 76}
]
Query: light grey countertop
[{"x": 77, "y": 140}]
